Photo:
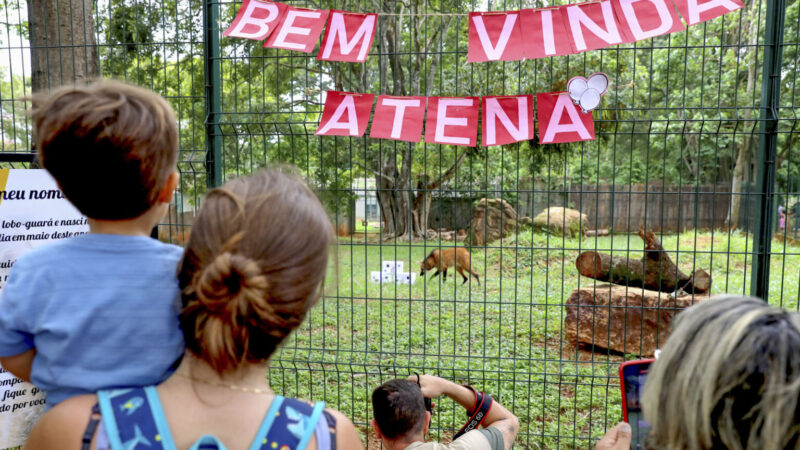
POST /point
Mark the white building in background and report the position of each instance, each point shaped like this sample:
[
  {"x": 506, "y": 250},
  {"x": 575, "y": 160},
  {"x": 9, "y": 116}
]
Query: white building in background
[{"x": 366, "y": 200}]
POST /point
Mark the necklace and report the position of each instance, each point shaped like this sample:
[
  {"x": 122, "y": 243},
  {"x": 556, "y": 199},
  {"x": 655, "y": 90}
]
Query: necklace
[{"x": 229, "y": 386}]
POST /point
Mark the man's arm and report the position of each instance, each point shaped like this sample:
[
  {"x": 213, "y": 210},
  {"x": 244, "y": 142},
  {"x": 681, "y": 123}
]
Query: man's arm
[
  {"x": 497, "y": 417},
  {"x": 19, "y": 365}
]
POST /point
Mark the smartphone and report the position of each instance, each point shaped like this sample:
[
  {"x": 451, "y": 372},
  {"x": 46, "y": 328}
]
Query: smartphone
[{"x": 632, "y": 376}]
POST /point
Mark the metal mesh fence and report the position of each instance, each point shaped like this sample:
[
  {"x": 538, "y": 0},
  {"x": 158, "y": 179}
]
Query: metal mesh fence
[{"x": 682, "y": 149}]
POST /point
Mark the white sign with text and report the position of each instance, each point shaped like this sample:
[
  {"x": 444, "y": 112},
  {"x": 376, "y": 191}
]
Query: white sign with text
[{"x": 33, "y": 212}]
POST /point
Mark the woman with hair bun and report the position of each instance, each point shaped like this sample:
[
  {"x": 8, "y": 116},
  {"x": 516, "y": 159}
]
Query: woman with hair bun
[{"x": 253, "y": 267}]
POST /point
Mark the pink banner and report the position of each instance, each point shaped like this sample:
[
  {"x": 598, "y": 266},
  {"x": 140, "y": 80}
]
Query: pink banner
[
  {"x": 452, "y": 120},
  {"x": 345, "y": 114},
  {"x": 398, "y": 118},
  {"x": 507, "y": 119},
  {"x": 645, "y": 19},
  {"x": 348, "y": 37},
  {"x": 256, "y": 19},
  {"x": 299, "y": 30},
  {"x": 696, "y": 11},
  {"x": 545, "y": 34},
  {"x": 560, "y": 120},
  {"x": 494, "y": 36},
  {"x": 594, "y": 25}
]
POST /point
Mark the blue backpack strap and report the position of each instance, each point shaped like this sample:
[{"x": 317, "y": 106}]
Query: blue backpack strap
[
  {"x": 315, "y": 416},
  {"x": 331, "y": 422},
  {"x": 132, "y": 417},
  {"x": 273, "y": 413},
  {"x": 291, "y": 427}
]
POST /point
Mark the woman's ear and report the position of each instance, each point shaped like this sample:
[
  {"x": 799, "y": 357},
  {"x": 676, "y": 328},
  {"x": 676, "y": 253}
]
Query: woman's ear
[{"x": 165, "y": 195}]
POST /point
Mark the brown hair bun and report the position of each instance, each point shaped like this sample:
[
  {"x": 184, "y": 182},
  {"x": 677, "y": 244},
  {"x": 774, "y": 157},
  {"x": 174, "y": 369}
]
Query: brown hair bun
[
  {"x": 229, "y": 284},
  {"x": 253, "y": 267}
]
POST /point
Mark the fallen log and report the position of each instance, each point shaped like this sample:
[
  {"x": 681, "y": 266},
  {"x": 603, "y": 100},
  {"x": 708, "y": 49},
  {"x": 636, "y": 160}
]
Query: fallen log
[
  {"x": 597, "y": 232},
  {"x": 654, "y": 271}
]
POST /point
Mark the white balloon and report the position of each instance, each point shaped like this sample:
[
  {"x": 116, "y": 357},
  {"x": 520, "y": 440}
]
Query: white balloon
[
  {"x": 589, "y": 100},
  {"x": 599, "y": 82},
  {"x": 576, "y": 87}
]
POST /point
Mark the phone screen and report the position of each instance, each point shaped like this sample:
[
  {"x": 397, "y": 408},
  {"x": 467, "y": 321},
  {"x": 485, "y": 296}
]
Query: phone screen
[{"x": 634, "y": 375}]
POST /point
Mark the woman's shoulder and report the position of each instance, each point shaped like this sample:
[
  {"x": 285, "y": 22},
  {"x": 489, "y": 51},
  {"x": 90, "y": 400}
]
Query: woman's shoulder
[
  {"x": 65, "y": 422},
  {"x": 346, "y": 434}
]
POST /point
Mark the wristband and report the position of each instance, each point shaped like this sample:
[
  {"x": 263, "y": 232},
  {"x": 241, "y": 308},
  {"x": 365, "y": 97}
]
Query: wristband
[{"x": 478, "y": 413}]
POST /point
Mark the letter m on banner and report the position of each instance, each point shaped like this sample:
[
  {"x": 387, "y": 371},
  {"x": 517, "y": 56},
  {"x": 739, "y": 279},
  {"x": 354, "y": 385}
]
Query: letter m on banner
[{"x": 348, "y": 37}]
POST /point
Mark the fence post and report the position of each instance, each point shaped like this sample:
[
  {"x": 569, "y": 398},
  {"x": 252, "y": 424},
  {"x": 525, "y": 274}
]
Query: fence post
[
  {"x": 213, "y": 95},
  {"x": 767, "y": 147}
]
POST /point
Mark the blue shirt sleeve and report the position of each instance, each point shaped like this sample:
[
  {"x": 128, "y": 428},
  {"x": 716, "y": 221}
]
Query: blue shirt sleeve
[{"x": 15, "y": 312}]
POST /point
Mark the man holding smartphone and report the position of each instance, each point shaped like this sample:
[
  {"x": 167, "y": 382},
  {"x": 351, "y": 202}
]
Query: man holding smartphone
[{"x": 401, "y": 420}]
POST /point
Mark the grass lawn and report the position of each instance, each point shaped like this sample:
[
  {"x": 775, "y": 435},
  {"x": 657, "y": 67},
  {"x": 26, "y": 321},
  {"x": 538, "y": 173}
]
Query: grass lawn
[{"x": 503, "y": 336}]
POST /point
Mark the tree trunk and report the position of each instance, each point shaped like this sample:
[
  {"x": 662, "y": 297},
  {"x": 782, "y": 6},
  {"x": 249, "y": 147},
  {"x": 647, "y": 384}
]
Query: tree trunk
[
  {"x": 421, "y": 206},
  {"x": 655, "y": 271},
  {"x": 405, "y": 213},
  {"x": 740, "y": 173},
  {"x": 385, "y": 192},
  {"x": 63, "y": 44},
  {"x": 741, "y": 170}
]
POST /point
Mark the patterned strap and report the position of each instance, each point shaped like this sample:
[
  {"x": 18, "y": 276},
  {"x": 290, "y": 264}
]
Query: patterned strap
[
  {"x": 134, "y": 418},
  {"x": 91, "y": 428},
  {"x": 291, "y": 426},
  {"x": 331, "y": 428},
  {"x": 266, "y": 426}
]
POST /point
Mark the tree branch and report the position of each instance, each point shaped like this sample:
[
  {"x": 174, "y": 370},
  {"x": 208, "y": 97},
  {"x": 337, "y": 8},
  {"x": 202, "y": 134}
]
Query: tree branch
[
  {"x": 449, "y": 173},
  {"x": 374, "y": 172}
]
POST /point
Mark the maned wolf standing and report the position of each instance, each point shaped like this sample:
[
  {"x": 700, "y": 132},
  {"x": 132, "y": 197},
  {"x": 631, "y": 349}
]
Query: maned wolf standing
[{"x": 442, "y": 260}]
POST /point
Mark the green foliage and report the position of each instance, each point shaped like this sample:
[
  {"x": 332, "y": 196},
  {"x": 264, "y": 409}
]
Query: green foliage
[{"x": 15, "y": 127}]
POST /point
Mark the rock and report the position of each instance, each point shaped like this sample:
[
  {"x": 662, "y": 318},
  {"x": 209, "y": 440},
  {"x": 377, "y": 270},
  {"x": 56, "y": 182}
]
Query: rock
[
  {"x": 492, "y": 219},
  {"x": 447, "y": 235},
  {"x": 559, "y": 220},
  {"x": 626, "y": 320}
]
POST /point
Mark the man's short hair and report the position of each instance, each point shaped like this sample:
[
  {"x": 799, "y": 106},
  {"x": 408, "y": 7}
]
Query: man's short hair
[
  {"x": 399, "y": 408},
  {"x": 110, "y": 146}
]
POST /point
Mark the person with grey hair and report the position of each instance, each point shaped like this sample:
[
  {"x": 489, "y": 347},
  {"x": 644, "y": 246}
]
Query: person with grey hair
[{"x": 728, "y": 377}]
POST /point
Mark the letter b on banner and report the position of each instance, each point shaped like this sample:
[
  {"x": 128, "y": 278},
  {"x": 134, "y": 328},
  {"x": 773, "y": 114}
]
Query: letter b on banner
[{"x": 256, "y": 19}]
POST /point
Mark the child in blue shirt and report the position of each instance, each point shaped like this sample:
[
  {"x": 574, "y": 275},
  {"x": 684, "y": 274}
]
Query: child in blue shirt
[{"x": 99, "y": 310}]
